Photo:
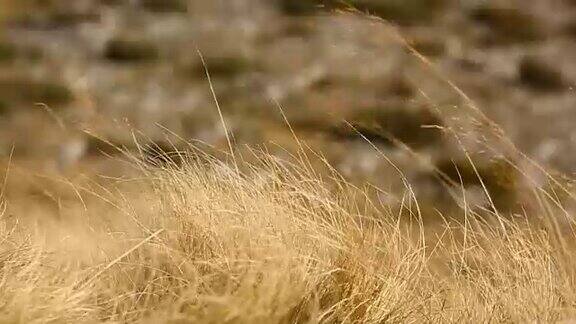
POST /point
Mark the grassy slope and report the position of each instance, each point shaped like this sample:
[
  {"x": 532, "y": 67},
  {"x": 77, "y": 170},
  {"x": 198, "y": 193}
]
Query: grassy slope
[{"x": 203, "y": 244}]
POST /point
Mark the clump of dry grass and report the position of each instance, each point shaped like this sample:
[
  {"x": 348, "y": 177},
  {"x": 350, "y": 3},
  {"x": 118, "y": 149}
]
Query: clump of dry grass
[{"x": 276, "y": 244}]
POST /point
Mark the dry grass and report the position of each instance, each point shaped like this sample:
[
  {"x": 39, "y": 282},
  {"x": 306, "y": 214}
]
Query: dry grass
[{"x": 277, "y": 244}]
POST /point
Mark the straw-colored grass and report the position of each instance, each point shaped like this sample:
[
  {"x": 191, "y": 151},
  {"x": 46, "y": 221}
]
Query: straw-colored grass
[{"x": 276, "y": 244}]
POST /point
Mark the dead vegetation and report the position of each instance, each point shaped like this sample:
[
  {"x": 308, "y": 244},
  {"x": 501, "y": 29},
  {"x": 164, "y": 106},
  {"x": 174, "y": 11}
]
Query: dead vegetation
[
  {"x": 185, "y": 237},
  {"x": 202, "y": 243}
]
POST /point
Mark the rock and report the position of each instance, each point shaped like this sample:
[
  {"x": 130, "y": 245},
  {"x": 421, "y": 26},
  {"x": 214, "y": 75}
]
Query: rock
[
  {"x": 404, "y": 122},
  {"x": 428, "y": 46},
  {"x": 539, "y": 75},
  {"x": 71, "y": 19},
  {"x": 499, "y": 177},
  {"x": 300, "y": 7},
  {"x": 223, "y": 66},
  {"x": 406, "y": 12},
  {"x": 103, "y": 147},
  {"x": 400, "y": 87},
  {"x": 569, "y": 28},
  {"x": 163, "y": 154},
  {"x": 124, "y": 50},
  {"x": 165, "y": 6},
  {"x": 54, "y": 17},
  {"x": 8, "y": 52},
  {"x": 299, "y": 28},
  {"x": 4, "y": 108},
  {"x": 26, "y": 91},
  {"x": 110, "y": 2},
  {"x": 398, "y": 11},
  {"x": 508, "y": 25}
]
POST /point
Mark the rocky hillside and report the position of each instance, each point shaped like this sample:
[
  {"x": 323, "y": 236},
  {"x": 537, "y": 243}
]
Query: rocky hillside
[{"x": 115, "y": 67}]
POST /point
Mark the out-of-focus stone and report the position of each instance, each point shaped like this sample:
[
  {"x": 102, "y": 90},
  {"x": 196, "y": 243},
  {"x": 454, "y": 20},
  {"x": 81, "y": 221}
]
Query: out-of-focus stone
[
  {"x": 539, "y": 75},
  {"x": 7, "y": 52},
  {"x": 508, "y": 25},
  {"x": 400, "y": 87},
  {"x": 401, "y": 11},
  {"x": 124, "y": 50},
  {"x": 27, "y": 91},
  {"x": 428, "y": 46},
  {"x": 223, "y": 66},
  {"x": 161, "y": 153},
  {"x": 413, "y": 125},
  {"x": 300, "y": 7},
  {"x": 498, "y": 176},
  {"x": 165, "y": 6},
  {"x": 3, "y": 108}
]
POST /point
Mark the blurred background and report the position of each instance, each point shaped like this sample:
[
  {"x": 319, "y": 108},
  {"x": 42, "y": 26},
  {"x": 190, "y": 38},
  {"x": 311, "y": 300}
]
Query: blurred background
[{"x": 113, "y": 68}]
